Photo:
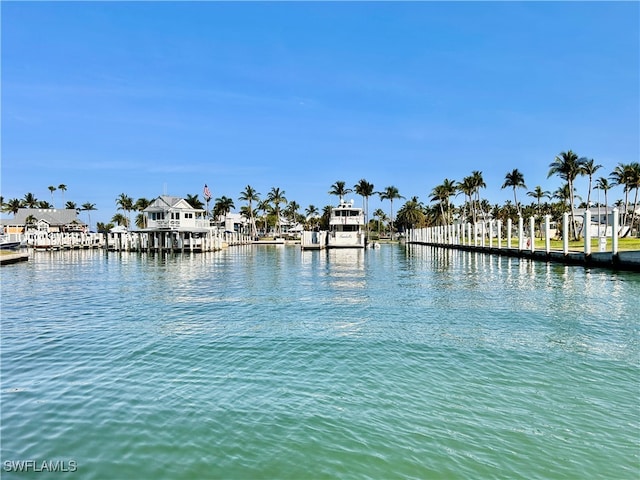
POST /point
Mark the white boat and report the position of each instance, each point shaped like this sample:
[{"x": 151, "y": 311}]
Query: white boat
[
  {"x": 7, "y": 244},
  {"x": 346, "y": 227}
]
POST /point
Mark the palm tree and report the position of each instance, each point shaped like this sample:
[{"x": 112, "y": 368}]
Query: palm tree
[
  {"x": 104, "y": 227},
  {"x": 125, "y": 203},
  {"x": 194, "y": 201},
  {"x": 410, "y": 214},
  {"x": 477, "y": 182},
  {"x": 514, "y": 179},
  {"x": 292, "y": 211},
  {"x": 589, "y": 168},
  {"x": 222, "y": 207},
  {"x": 12, "y": 206},
  {"x": 620, "y": 176},
  {"x": 365, "y": 190},
  {"x": 264, "y": 206},
  {"x": 602, "y": 184},
  {"x": 339, "y": 189},
  {"x": 390, "y": 193},
  {"x": 250, "y": 195},
  {"x": 88, "y": 207},
  {"x": 44, "y": 204},
  {"x": 30, "y": 201},
  {"x": 633, "y": 182},
  {"x": 63, "y": 188},
  {"x": 311, "y": 216},
  {"x": 539, "y": 194},
  {"x": 442, "y": 194},
  {"x": 30, "y": 220},
  {"x": 51, "y": 189},
  {"x": 276, "y": 196},
  {"x": 140, "y": 205},
  {"x": 381, "y": 216},
  {"x": 568, "y": 166},
  {"x": 466, "y": 187},
  {"x": 120, "y": 219},
  {"x": 71, "y": 205}
]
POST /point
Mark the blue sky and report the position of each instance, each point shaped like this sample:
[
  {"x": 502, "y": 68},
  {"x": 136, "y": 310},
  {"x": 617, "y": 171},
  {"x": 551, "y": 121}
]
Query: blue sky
[{"x": 143, "y": 98}]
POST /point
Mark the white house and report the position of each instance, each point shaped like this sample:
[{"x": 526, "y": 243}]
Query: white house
[{"x": 174, "y": 213}]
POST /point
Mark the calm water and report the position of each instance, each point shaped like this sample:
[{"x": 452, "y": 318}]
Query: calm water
[{"x": 268, "y": 362}]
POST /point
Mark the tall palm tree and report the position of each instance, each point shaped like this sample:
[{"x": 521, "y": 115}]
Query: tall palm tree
[
  {"x": 568, "y": 166},
  {"x": 515, "y": 180},
  {"x": 63, "y": 188},
  {"x": 88, "y": 207},
  {"x": 250, "y": 195},
  {"x": 365, "y": 190},
  {"x": 276, "y": 197},
  {"x": 51, "y": 189},
  {"x": 125, "y": 203},
  {"x": 466, "y": 187},
  {"x": 390, "y": 193},
  {"x": 339, "y": 189},
  {"x": 478, "y": 182},
  {"x": 589, "y": 168},
  {"x": 30, "y": 200}
]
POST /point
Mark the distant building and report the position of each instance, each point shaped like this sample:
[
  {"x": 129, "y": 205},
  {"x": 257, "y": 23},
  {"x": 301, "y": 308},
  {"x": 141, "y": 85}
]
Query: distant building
[{"x": 47, "y": 220}]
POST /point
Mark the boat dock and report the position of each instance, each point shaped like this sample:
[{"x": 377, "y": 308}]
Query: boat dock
[{"x": 13, "y": 257}]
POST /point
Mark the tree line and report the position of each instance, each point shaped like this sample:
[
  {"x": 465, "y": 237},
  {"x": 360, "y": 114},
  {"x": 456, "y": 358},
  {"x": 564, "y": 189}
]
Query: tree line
[{"x": 266, "y": 214}]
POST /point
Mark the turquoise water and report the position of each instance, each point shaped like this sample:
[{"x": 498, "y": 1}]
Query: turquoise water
[{"x": 268, "y": 362}]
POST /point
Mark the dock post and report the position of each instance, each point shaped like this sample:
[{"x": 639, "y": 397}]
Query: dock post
[
  {"x": 586, "y": 226},
  {"x": 509, "y": 228},
  {"x": 565, "y": 233},
  {"x": 547, "y": 240},
  {"x": 499, "y": 234},
  {"x": 614, "y": 231},
  {"x": 520, "y": 233},
  {"x": 532, "y": 232}
]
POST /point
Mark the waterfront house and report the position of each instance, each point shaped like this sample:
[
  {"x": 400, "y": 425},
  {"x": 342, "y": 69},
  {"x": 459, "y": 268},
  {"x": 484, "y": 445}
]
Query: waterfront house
[
  {"x": 174, "y": 213},
  {"x": 44, "y": 220}
]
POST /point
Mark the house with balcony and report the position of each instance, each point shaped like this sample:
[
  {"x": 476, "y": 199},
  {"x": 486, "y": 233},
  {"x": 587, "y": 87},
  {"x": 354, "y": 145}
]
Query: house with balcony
[
  {"x": 174, "y": 213},
  {"x": 173, "y": 224}
]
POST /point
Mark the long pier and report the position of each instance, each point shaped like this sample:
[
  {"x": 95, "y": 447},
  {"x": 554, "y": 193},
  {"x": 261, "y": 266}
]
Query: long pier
[{"x": 486, "y": 237}]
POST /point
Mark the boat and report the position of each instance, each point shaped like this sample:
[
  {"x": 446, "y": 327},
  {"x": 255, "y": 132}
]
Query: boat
[
  {"x": 7, "y": 244},
  {"x": 346, "y": 226}
]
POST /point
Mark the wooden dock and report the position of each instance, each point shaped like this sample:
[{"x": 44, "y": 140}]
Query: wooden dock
[{"x": 13, "y": 257}]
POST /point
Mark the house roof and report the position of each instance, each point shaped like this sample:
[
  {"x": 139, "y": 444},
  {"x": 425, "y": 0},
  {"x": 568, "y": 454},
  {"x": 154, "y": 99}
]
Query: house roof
[
  {"x": 53, "y": 216},
  {"x": 166, "y": 202}
]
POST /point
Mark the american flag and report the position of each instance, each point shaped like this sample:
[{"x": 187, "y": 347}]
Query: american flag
[{"x": 207, "y": 192}]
